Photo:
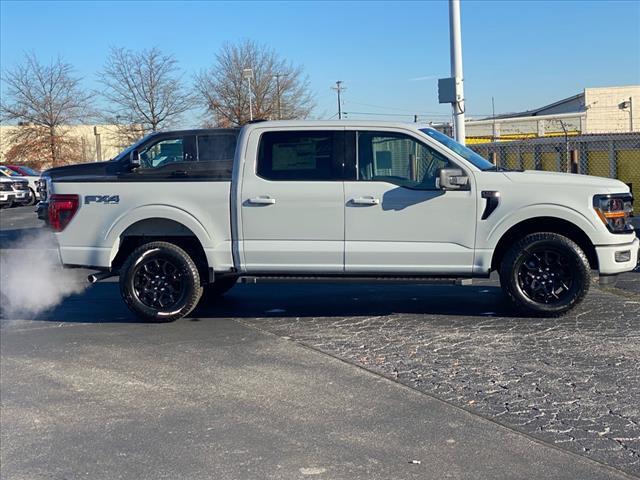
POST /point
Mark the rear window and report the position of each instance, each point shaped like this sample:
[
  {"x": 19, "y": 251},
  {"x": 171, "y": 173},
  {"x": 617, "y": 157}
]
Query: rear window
[
  {"x": 216, "y": 148},
  {"x": 300, "y": 156}
]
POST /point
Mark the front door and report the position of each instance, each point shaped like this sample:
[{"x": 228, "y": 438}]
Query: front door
[
  {"x": 397, "y": 220},
  {"x": 292, "y": 202}
]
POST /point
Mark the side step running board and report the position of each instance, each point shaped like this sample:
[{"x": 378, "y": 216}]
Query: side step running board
[{"x": 354, "y": 279}]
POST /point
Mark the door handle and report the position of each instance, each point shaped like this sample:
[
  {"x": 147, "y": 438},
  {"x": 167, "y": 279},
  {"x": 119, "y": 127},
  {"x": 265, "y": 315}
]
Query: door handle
[
  {"x": 365, "y": 201},
  {"x": 262, "y": 201}
]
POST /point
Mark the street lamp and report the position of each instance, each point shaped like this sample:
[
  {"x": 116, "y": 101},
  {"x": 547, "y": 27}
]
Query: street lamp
[
  {"x": 247, "y": 73},
  {"x": 628, "y": 104}
]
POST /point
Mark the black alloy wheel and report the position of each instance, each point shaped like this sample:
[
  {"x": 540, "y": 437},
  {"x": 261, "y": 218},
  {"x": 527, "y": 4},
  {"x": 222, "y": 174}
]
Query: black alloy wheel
[
  {"x": 545, "y": 274},
  {"x": 160, "y": 282}
]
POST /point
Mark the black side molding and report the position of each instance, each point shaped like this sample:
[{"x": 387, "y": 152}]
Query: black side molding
[{"x": 493, "y": 200}]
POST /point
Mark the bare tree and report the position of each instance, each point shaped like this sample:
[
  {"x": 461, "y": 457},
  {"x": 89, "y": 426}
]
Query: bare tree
[
  {"x": 144, "y": 91},
  {"x": 278, "y": 89},
  {"x": 31, "y": 144},
  {"x": 45, "y": 100}
]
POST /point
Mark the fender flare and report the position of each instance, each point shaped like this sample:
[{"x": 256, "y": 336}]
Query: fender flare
[
  {"x": 541, "y": 210},
  {"x": 168, "y": 212}
]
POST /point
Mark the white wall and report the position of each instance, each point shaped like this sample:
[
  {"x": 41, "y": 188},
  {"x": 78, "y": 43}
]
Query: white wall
[{"x": 603, "y": 109}]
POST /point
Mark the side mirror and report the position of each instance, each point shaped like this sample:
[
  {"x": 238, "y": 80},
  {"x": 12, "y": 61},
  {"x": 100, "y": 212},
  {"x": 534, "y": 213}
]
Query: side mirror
[
  {"x": 453, "y": 179},
  {"x": 134, "y": 159}
]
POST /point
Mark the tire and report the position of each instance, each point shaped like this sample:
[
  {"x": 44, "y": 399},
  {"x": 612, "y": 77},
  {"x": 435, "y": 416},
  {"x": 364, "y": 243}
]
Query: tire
[
  {"x": 32, "y": 198},
  {"x": 218, "y": 288},
  {"x": 160, "y": 282},
  {"x": 545, "y": 274}
]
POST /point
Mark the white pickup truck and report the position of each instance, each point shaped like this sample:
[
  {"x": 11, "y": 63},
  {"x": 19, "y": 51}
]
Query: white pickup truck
[{"x": 182, "y": 213}]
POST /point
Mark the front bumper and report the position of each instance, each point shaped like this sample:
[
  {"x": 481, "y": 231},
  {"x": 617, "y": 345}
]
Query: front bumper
[
  {"x": 6, "y": 198},
  {"x": 607, "y": 257},
  {"x": 21, "y": 196}
]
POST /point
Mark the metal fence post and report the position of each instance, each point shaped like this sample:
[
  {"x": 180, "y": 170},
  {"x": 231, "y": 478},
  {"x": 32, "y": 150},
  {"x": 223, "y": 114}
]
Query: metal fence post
[{"x": 613, "y": 169}]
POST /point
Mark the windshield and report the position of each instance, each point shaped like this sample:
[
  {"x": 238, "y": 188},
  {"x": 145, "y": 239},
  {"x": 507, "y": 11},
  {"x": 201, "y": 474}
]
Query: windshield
[
  {"x": 30, "y": 171},
  {"x": 125, "y": 153},
  {"x": 464, "y": 152},
  {"x": 8, "y": 172}
]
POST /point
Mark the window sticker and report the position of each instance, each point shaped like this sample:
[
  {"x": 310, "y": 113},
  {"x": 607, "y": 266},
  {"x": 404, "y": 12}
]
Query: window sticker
[{"x": 294, "y": 156}]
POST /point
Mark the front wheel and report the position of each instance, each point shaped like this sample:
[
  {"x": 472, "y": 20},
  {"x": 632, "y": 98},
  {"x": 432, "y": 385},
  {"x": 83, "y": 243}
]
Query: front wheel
[
  {"x": 32, "y": 197},
  {"x": 159, "y": 282},
  {"x": 545, "y": 274}
]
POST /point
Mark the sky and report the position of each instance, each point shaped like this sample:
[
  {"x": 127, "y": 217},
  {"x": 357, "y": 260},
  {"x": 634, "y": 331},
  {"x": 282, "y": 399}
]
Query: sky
[{"x": 389, "y": 54}]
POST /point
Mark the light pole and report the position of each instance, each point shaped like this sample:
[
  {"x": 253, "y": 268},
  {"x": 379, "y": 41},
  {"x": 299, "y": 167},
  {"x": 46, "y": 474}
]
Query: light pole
[
  {"x": 628, "y": 104},
  {"x": 456, "y": 69},
  {"x": 277, "y": 76},
  {"x": 248, "y": 74}
]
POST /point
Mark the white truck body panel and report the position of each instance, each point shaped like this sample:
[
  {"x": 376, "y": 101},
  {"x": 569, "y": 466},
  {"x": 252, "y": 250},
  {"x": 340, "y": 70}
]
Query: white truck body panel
[
  {"x": 313, "y": 227},
  {"x": 202, "y": 207}
]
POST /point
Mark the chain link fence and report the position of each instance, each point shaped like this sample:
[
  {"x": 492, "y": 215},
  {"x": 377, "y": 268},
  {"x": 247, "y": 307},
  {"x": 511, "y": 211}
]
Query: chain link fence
[{"x": 614, "y": 155}]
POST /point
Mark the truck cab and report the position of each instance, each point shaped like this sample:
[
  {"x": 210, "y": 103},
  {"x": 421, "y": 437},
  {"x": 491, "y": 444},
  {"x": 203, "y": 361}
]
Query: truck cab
[{"x": 192, "y": 211}]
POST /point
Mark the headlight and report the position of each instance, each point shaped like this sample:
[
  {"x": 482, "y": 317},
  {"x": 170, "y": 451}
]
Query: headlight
[{"x": 615, "y": 211}]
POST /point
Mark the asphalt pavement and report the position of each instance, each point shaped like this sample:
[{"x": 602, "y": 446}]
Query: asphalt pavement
[{"x": 319, "y": 381}]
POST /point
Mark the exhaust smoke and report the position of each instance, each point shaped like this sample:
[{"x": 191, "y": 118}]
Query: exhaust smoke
[{"x": 32, "y": 279}]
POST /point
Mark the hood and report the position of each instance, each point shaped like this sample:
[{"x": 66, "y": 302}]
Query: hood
[
  {"x": 82, "y": 171},
  {"x": 537, "y": 177}
]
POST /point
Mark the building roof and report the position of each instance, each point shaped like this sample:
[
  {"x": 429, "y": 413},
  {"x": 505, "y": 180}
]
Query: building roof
[{"x": 573, "y": 104}]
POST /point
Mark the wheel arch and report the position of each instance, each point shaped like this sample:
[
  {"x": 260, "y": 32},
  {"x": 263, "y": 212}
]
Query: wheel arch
[
  {"x": 545, "y": 224},
  {"x": 152, "y": 224}
]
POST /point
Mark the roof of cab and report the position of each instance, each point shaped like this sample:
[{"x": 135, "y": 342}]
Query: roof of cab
[{"x": 333, "y": 123}]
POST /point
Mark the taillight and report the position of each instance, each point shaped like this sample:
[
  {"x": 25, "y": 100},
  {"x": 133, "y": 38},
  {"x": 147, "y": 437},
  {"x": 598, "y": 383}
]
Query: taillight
[{"x": 62, "y": 208}]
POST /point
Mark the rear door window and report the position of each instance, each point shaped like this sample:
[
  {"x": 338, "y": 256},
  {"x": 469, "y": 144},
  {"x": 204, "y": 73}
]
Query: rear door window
[
  {"x": 215, "y": 155},
  {"x": 301, "y": 156}
]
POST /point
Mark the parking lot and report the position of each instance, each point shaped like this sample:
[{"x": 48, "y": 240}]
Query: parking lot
[{"x": 297, "y": 380}]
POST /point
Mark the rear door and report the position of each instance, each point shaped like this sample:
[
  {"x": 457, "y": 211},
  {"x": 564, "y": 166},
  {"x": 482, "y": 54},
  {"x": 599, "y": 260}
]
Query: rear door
[{"x": 292, "y": 201}]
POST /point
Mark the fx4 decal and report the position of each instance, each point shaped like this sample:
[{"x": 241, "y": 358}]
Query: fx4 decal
[{"x": 104, "y": 199}]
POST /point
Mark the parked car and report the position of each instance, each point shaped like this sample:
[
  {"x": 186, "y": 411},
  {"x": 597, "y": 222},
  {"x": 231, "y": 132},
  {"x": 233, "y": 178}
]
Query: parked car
[
  {"x": 32, "y": 184},
  {"x": 184, "y": 212},
  {"x": 24, "y": 170},
  {"x": 14, "y": 190},
  {"x": 6, "y": 192}
]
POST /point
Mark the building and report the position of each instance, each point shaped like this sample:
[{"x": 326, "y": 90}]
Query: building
[
  {"x": 595, "y": 110},
  {"x": 91, "y": 142}
]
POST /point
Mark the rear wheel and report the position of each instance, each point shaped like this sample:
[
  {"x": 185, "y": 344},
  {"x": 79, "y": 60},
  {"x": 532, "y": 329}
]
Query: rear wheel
[
  {"x": 545, "y": 274},
  {"x": 159, "y": 282}
]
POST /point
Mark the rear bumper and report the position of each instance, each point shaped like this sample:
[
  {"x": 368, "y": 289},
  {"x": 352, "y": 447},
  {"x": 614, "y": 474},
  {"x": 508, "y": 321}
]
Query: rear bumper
[{"x": 607, "y": 257}]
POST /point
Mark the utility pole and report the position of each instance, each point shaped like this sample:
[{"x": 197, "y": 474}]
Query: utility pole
[
  {"x": 456, "y": 69},
  {"x": 339, "y": 88},
  {"x": 278, "y": 75}
]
